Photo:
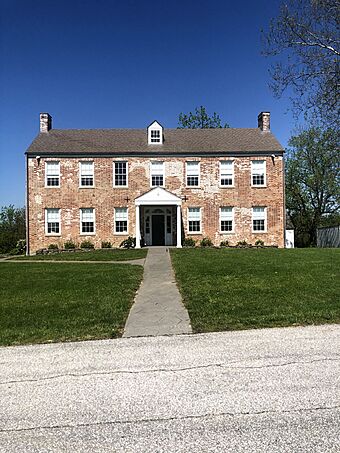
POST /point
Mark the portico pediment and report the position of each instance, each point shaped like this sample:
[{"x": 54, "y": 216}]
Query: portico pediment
[{"x": 158, "y": 196}]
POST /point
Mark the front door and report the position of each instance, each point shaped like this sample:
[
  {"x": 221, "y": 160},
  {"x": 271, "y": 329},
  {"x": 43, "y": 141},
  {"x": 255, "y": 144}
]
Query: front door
[{"x": 158, "y": 229}]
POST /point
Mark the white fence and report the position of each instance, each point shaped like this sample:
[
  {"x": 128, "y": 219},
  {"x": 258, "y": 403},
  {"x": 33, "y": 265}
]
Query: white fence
[{"x": 328, "y": 237}]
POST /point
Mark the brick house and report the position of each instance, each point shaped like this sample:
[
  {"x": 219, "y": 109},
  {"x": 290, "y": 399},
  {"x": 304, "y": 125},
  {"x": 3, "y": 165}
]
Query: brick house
[{"x": 158, "y": 185}]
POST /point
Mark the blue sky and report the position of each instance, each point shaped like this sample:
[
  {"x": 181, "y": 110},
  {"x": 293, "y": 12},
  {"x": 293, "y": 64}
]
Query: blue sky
[{"x": 106, "y": 64}]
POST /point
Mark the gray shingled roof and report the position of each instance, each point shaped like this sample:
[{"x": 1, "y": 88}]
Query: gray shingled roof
[{"x": 134, "y": 141}]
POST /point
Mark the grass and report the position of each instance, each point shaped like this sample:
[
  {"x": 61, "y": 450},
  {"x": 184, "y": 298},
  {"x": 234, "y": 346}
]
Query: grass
[
  {"x": 242, "y": 289},
  {"x": 42, "y": 302},
  {"x": 92, "y": 255}
]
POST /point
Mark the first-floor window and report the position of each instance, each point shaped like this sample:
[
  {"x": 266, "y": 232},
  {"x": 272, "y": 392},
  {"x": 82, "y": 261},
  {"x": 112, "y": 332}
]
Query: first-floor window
[
  {"x": 226, "y": 219},
  {"x": 194, "y": 220},
  {"x": 121, "y": 220},
  {"x": 87, "y": 220},
  {"x": 52, "y": 221},
  {"x": 259, "y": 219}
]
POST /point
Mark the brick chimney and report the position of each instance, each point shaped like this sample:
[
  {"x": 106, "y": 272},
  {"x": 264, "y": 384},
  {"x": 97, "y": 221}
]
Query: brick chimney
[
  {"x": 263, "y": 121},
  {"x": 45, "y": 122}
]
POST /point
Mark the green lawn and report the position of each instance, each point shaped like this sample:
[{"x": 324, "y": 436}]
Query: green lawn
[
  {"x": 43, "y": 302},
  {"x": 92, "y": 255},
  {"x": 241, "y": 289}
]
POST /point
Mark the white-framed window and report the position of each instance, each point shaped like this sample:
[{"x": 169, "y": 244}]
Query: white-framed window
[
  {"x": 87, "y": 221},
  {"x": 155, "y": 135},
  {"x": 226, "y": 219},
  {"x": 194, "y": 220},
  {"x": 120, "y": 174},
  {"x": 121, "y": 220},
  {"x": 258, "y": 172},
  {"x": 259, "y": 219},
  {"x": 157, "y": 173},
  {"x": 193, "y": 173},
  {"x": 226, "y": 173},
  {"x": 52, "y": 221},
  {"x": 52, "y": 174},
  {"x": 86, "y": 174}
]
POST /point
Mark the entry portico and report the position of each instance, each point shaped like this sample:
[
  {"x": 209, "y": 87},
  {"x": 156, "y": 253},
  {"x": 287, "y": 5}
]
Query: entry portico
[{"x": 158, "y": 218}]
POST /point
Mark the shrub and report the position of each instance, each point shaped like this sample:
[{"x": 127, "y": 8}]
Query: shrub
[
  {"x": 69, "y": 245},
  {"x": 53, "y": 247},
  {"x": 224, "y": 243},
  {"x": 242, "y": 244},
  {"x": 189, "y": 242},
  {"x": 87, "y": 245},
  {"x": 106, "y": 245},
  {"x": 129, "y": 243},
  {"x": 206, "y": 242},
  {"x": 259, "y": 243},
  {"x": 21, "y": 246}
]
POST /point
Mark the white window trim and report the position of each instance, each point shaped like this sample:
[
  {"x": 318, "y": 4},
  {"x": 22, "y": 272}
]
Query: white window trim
[
  {"x": 52, "y": 234},
  {"x": 81, "y": 221},
  {"x": 114, "y": 174},
  {"x": 233, "y": 174},
  {"x": 46, "y": 163},
  {"x": 192, "y": 233},
  {"x": 85, "y": 187},
  {"x": 265, "y": 173},
  {"x": 150, "y": 167},
  {"x": 118, "y": 233},
  {"x": 265, "y": 221},
  {"x": 199, "y": 175},
  {"x": 155, "y": 126},
  {"x": 232, "y": 219}
]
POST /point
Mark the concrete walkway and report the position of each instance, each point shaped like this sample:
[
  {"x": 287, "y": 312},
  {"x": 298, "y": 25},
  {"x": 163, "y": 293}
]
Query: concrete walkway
[{"x": 158, "y": 309}]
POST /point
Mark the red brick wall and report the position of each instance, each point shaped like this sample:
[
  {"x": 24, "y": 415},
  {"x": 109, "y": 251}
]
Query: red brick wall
[{"x": 104, "y": 198}]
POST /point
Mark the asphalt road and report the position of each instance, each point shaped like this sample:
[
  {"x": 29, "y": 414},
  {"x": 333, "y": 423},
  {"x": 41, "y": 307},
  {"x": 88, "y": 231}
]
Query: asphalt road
[{"x": 272, "y": 390}]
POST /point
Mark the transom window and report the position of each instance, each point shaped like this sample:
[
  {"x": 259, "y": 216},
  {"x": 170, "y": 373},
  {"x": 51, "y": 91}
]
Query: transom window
[
  {"x": 193, "y": 174},
  {"x": 120, "y": 174},
  {"x": 157, "y": 174},
  {"x": 87, "y": 221},
  {"x": 155, "y": 136},
  {"x": 226, "y": 173},
  {"x": 259, "y": 219},
  {"x": 52, "y": 171},
  {"x": 226, "y": 219},
  {"x": 194, "y": 220},
  {"x": 121, "y": 220},
  {"x": 258, "y": 172},
  {"x": 86, "y": 174},
  {"x": 52, "y": 221}
]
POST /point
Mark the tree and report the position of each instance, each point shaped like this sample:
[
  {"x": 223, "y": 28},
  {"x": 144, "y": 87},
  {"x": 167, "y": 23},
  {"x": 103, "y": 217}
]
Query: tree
[
  {"x": 312, "y": 182},
  {"x": 200, "y": 120},
  {"x": 305, "y": 38},
  {"x": 12, "y": 227}
]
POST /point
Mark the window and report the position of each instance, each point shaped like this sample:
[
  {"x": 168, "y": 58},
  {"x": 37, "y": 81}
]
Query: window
[
  {"x": 87, "y": 221},
  {"x": 121, "y": 220},
  {"x": 86, "y": 170},
  {"x": 259, "y": 219},
  {"x": 52, "y": 221},
  {"x": 120, "y": 174},
  {"x": 226, "y": 173},
  {"x": 52, "y": 171},
  {"x": 155, "y": 136},
  {"x": 157, "y": 174},
  {"x": 226, "y": 220},
  {"x": 193, "y": 172},
  {"x": 258, "y": 172},
  {"x": 194, "y": 220}
]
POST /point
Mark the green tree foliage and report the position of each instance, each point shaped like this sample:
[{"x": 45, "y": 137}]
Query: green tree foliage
[
  {"x": 12, "y": 227},
  {"x": 200, "y": 120},
  {"x": 312, "y": 182},
  {"x": 304, "y": 41}
]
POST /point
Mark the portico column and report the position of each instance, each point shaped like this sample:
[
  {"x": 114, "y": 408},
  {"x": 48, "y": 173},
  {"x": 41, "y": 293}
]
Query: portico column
[
  {"x": 137, "y": 227},
  {"x": 179, "y": 227}
]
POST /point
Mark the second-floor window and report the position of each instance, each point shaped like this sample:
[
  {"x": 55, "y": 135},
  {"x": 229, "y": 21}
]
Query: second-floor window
[
  {"x": 258, "y": 172},
  {"x": 121, "y": 220},
  {"x": 226, "y": 219},
  {"x": 259, "y": 219},
  {"x": 193, "y": 174},
  {"x": 120, "y": 174},
  {"x": 194, "y": 220},
  {"x": 86, "y": 170},
  {"x": 157, "y": 173},
  {"x": 52, "y": 172},
  {"x": 226, "y": 173},
  {"x": 52, "y": 221},
  {"x": 87, "y": 221}
]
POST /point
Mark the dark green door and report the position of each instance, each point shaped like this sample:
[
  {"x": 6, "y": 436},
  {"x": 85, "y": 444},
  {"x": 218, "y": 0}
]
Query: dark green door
[{"x": 158, "y": 229}]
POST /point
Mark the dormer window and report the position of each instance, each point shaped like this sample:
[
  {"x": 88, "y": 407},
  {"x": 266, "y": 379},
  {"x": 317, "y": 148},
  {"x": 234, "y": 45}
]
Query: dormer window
[{"x": 155, "y": 134}]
